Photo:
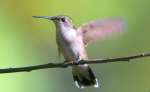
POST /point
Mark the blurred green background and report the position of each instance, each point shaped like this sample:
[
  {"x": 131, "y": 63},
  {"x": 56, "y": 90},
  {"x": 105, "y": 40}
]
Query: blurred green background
[{"x": 26, "y": 41}]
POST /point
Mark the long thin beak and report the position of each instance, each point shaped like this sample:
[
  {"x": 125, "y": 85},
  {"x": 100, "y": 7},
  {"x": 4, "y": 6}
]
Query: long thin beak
[{"x": 44, "y": 17}]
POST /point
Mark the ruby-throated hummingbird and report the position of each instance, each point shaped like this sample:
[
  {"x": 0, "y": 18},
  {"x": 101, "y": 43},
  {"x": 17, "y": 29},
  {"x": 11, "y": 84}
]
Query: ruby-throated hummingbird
[{"x": 72, "y": 43}]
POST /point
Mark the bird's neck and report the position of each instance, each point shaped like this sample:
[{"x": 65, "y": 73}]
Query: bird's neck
[{"x": 62, "y": 28}]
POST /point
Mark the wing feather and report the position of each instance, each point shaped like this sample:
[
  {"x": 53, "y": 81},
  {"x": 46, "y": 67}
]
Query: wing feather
[{"x": 100, "y": 29}]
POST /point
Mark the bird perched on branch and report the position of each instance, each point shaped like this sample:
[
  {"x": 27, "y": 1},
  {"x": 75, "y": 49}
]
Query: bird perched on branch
[{"x": 72, "y": 43}]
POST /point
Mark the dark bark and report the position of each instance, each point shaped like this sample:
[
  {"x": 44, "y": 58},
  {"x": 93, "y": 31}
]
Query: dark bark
[{"x": 65, "y": 65}]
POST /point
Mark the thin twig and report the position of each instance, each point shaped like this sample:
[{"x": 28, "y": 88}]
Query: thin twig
[{"x": 65, "y": 65}]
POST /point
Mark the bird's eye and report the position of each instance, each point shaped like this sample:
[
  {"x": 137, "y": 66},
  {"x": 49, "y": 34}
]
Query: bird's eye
[{"x": 63, "y": 19}]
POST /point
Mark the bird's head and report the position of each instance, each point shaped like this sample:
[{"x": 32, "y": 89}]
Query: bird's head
[{"x": 58, "y": 20}]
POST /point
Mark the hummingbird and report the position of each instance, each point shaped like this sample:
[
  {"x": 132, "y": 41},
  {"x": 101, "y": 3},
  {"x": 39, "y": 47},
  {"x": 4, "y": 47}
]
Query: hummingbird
[{"x": 72, "y": 43}]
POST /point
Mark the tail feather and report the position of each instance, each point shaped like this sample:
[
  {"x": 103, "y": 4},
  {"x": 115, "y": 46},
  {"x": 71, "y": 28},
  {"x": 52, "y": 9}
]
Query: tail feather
[{"x": 83, "y": 76}]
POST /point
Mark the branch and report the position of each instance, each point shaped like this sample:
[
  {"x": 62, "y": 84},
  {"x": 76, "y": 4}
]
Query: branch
[{"x": 66, "y": 64}]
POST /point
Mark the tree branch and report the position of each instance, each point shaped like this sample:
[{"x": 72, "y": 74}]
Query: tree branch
[{"x": 66, "y": 64}]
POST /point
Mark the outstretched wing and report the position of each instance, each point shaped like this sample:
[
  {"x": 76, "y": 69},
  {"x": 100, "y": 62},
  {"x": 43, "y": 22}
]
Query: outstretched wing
[{"x": 100, "y": 29}]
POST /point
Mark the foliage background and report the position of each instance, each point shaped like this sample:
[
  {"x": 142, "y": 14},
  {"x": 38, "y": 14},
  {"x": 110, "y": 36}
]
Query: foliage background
[{"x": 25, "y": 41}]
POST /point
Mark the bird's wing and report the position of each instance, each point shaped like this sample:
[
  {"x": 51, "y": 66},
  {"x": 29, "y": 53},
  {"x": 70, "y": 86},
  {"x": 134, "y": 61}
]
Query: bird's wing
[
  {"x": 100, "y": 29},
  {"x": 59, "y": 52},
  {"x": 59, "y": 49}
]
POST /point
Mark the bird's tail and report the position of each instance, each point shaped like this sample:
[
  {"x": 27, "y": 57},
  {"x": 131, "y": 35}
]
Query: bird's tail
[{"x": 83, "y": 76}]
